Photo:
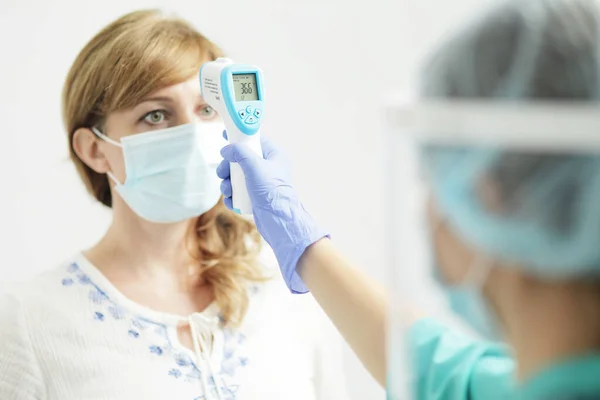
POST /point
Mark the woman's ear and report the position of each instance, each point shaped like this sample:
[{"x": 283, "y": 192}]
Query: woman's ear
[{"x": 86, "y": 146}]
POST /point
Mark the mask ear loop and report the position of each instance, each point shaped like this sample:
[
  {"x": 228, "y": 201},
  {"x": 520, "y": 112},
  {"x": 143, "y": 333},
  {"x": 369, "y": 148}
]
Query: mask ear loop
[
  {"x": 105, "y": 138},
  {"x": 479, "y": 270},
  {"x": 478, "y": 273},
  {"x": 113, "y": 142}
]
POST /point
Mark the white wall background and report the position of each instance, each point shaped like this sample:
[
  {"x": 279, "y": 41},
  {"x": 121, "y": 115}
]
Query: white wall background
[{"x": 327, "y": 65}]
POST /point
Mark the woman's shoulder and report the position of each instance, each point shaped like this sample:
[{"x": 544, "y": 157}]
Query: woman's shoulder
[
  {"x": 37, "y": 294},
  {"x": 21, "y": 374}
]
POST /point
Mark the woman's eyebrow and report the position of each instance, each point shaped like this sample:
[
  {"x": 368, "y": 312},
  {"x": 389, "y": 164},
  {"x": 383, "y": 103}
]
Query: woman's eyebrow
[{"x": 157, "y": 98}]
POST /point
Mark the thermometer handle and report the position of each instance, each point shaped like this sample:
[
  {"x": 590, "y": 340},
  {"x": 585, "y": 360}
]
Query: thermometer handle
[{"x": 240, "y": 197}]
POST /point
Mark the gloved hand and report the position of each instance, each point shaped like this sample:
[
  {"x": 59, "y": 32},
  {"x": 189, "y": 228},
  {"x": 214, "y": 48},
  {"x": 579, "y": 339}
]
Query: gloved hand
[{"x": 279, "y": 216}]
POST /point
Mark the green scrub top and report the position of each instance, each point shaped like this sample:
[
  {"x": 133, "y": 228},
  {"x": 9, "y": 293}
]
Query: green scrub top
[
  {"x": 574, "y": 379},
  {"x": 449, "y": 365}
]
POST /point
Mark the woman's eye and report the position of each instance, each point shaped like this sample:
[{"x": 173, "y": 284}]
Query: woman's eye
[
  {"x": 207, "y": 112},
  {"x": 155, "y": 117}
]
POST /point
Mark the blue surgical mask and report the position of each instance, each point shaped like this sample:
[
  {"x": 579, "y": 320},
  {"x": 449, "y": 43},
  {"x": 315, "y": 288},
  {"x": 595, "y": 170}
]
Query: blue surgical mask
[
  {"x": 171, "y": 173},
  {"x": 467, "y": 301}
]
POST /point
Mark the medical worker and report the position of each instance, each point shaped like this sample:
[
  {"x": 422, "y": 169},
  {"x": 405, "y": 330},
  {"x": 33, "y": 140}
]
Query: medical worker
[
  {"x": 515, "y": 236},
  {"x": 176, "y": 300}
]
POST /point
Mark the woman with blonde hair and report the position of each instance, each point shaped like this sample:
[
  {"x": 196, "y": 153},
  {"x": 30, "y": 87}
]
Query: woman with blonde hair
[{"x": 177, "y": 300}]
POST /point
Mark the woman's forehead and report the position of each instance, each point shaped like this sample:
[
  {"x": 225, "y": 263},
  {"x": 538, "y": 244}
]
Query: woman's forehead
[{"x": 190, "y": 87}]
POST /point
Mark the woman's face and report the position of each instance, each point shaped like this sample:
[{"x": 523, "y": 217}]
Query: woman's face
[{"x": 174, "y": 105}]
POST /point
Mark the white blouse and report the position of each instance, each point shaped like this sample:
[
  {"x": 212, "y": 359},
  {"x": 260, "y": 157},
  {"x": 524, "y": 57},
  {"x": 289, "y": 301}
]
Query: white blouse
[{"x": 71, "y": 335}]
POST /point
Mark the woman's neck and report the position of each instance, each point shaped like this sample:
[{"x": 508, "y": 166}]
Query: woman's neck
[
  {"x": 549, "y": 323},
  {"x": 145, "y": 248}
]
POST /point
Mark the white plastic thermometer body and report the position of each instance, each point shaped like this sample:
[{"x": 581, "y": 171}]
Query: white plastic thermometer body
[{"x": 235, "y": 91}]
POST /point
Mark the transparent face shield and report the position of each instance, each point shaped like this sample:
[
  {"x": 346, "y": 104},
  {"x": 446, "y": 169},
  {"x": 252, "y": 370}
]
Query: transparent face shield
[{"x": 475, "y": 186}]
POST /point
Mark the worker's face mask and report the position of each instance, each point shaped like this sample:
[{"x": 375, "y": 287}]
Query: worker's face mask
[
  {"x": 171, "y": 173},
  {"x": 466, "y": 298}
]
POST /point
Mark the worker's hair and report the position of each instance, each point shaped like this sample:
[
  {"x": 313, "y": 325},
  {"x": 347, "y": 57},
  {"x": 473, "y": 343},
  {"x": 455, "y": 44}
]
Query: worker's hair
[{"x": 134, "y": 56}]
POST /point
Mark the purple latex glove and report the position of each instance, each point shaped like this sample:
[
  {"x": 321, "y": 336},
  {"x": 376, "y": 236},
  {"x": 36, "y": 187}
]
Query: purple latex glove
[{"x": 279, "y": 216}]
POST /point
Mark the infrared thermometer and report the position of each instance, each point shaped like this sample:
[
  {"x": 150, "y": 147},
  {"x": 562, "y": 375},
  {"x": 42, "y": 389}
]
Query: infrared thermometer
[{"x": 235, "y": 92}]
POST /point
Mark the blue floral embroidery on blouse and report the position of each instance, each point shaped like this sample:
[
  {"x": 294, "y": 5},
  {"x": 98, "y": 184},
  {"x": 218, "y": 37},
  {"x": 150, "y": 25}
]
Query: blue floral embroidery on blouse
[
  {"x": 183, "y": 360},
  {"x": 175, "y": 373},
  {"x": 186, "y": 368},
  {"x": 156, "y": 350},
  {"x": 97, "y": 297},
  {"x": 139, "y": 324}
]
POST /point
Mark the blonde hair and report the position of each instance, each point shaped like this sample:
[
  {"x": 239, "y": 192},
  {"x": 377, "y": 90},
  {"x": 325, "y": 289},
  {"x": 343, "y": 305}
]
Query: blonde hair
[{"x": 134, "y": 56}]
